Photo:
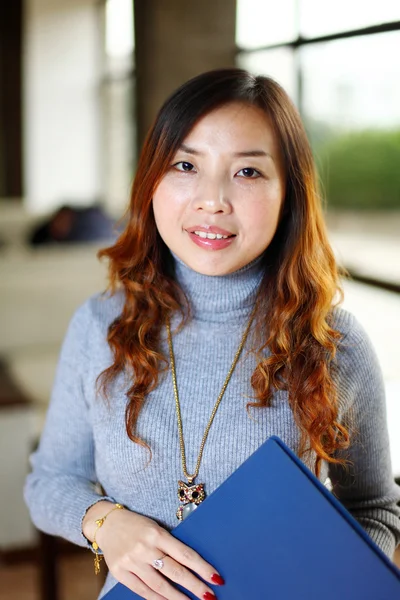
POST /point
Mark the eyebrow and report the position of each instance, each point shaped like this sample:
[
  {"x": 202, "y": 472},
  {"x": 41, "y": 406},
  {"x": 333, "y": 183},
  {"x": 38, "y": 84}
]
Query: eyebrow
[
  {"x": 244, "y": 153},
  {"x": 253, "y": 153}
]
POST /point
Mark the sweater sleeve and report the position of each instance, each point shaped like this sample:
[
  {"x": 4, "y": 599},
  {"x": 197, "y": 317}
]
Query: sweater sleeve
[
  {"x": 62, "y": 484},
  {"x": 366, "y": 488}
]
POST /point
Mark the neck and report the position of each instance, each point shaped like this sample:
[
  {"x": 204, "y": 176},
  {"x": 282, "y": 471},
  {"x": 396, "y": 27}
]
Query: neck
[{"x": 220, "y": 298}]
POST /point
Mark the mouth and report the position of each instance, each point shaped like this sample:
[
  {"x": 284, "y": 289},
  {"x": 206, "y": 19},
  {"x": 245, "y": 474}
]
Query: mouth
[
  {"x": 211, "y": 238},
  {"x": 210, "y": 232}
]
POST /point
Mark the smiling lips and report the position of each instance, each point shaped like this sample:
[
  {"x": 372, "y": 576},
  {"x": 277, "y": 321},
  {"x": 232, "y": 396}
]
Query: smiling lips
[
  {"x": 210, "y": 229},
  {"x": 210, "y": 237}
]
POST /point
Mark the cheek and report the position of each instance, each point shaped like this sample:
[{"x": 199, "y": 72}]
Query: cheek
[
  {"x": 260, "y": 217},
  {"x": 168, "y": 199},
  {"x": 163, "y": 208}
]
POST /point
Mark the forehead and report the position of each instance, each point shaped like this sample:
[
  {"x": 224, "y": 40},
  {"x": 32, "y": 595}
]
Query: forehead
[{"x": 236, "y": 121}]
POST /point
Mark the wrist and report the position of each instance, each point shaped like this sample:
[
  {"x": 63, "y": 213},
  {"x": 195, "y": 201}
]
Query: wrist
[{"x": 96, "y": 511}]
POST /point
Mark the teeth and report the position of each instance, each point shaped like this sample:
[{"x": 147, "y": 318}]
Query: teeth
[{"x": 211, "y": 236}]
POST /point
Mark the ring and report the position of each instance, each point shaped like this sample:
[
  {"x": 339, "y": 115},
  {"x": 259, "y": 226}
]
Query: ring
[{"x": 159, "y": 563}]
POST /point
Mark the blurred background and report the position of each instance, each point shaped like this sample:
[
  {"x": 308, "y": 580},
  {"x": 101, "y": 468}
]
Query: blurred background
[{"x": 80, "y": 83}]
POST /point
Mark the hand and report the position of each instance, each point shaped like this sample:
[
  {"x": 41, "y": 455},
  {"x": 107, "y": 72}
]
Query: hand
[{"x": 131, "y": 542}]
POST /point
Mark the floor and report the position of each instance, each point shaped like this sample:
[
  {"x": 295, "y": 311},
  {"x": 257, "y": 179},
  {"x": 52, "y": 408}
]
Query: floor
[{"x": 78, "y": 581}]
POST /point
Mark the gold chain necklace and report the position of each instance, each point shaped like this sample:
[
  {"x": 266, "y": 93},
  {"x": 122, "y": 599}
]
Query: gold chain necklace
[{"x": 190, "y": 494}]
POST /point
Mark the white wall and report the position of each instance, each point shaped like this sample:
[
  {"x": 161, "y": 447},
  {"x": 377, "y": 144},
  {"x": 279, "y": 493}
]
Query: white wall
[{"x": 62, "y": 106}]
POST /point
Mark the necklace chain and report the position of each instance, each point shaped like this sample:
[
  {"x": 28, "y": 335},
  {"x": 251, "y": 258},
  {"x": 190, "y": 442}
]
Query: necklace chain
[{"x": 190, "y": 478}]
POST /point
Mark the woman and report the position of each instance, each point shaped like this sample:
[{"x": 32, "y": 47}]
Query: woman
[{"x": 225, "y": 254}]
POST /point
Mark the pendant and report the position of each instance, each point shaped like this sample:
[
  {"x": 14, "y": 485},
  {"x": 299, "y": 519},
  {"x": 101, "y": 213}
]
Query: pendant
[
  {"x": 97, "y": 560},
  {"x": 191, "y": 495}
]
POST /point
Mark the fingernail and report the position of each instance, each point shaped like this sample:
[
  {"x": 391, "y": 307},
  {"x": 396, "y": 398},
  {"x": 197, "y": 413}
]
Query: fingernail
[
  {"x": 208, "y": 596},
  {"x": 215, "y": 578}
]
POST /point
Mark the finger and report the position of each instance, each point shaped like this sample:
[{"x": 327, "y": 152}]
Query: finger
[
  {"x": 134, "y": 583},
  {"x": 188, "y": 557},
  {"x": 179, "y": 574},
  {"x": 160, "y": 584}
]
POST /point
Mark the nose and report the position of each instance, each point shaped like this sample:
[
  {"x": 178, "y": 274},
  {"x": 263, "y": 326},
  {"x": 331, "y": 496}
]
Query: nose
[{"x": 212, "y": 197}]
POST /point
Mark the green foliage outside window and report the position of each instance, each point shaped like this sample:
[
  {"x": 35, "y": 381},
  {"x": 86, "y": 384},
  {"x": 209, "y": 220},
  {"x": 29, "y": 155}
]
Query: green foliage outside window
[{"x": 358, "y": 170}]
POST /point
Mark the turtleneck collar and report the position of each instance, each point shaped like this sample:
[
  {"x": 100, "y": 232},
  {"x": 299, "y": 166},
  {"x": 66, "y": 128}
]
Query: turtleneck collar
[{"x": 220, "y": 298}]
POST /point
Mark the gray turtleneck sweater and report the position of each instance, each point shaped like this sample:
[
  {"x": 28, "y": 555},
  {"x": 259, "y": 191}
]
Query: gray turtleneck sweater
[{"x": 85, "y": 442}]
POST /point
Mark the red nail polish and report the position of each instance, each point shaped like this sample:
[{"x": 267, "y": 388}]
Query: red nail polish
[
  {"x": 209, "y": 596},
  {"x": 215, "y": 578}
]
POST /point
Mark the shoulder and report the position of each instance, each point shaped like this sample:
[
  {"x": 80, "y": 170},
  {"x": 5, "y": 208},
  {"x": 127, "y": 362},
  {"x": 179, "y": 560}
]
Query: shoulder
[
  {"x": 347, "y": 324},
  {"x": 97, "y": 313},
  {"x": 356, "y": 360},
  {"x": 354, "y": 335}
]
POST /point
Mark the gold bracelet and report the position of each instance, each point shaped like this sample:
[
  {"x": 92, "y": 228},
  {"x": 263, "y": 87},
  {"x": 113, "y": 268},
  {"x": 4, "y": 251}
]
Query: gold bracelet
[{"x": 99, "y": 522}]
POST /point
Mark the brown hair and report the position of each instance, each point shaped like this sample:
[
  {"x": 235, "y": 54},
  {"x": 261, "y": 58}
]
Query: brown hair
[{"x": 296, "y": 294}]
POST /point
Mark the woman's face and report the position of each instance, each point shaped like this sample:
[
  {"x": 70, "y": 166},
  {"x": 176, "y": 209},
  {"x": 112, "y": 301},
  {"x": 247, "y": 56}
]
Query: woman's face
[{"x": 218, "y": 205}]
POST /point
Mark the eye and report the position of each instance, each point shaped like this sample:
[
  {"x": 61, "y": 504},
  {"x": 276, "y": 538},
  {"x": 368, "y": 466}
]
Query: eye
[
  {"x": 249, "y": 173},
  {"x": 187, "y": 167}
]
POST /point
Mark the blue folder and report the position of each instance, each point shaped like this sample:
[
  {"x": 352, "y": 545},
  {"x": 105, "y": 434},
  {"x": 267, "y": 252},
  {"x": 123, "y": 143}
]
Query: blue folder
[{"x": 274, "y": 532}]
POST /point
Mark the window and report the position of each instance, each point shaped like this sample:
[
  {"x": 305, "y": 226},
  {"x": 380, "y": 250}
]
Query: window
[
  {"x": 118, "y": 102},
  {"x": 323, "y": 18},
  {"x": 346, "y": 87},
  {"x": 264, "y": 22},
  {"x": 351, "y": 107}
]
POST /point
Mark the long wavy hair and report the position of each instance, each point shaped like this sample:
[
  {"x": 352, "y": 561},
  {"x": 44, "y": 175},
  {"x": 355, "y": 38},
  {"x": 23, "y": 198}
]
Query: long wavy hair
[{"x": 297, "y": 293}]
